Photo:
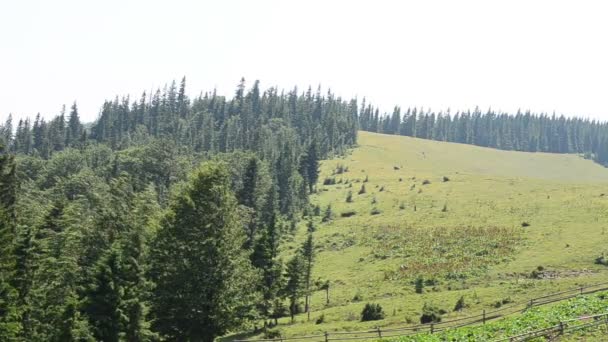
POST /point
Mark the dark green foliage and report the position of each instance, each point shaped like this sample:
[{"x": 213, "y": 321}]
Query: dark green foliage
[
  {"x": 316, "y": 210},
  {"x": 446, "y": 179},
  {"x": 202, "y": 233},
  {"x": 321, "y": 319},
  {"x": 9, "y": 313},
  {"x": 601, "y": 260},
  {"x": 362, "y": 190},
  {"x": 430, "y": 314},
  {"x": 296, "y": 282},
  {"x": 419, "y": 285},
  {"x": 328, "y": 215},
  {"x": 426, "y": 182},
  {"x": 375, "y": 211},
  {"x": 265, "y": 259},
  {"x": 348, "y": 213},
  {"x": 329, "y": 181},
  {"x": 349, "y": 197},
  {"x": 310, "y": 165},
  {"x": 103, "y": 298},
  {"x": 460, "y": 304},
  {"x": 372, "y": 312},
  {"x": 76, "y": 262},
  {"x": 308, "y": 254},
  {"x": 525, "y": 224}
]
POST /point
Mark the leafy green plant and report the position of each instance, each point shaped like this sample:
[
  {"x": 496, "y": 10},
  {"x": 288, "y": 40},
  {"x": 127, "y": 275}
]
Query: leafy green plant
[{"x": 372, "y": 312}]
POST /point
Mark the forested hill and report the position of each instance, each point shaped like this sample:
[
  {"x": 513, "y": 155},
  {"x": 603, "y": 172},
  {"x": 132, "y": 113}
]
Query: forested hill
[
  {"x": 519, "y": 132},
  {"x": 113, "y": 231}
]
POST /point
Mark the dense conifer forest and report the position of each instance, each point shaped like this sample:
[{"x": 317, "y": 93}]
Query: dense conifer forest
[
  {"x": 163, "y": 219},
  {"x": 527, "y": 131}
]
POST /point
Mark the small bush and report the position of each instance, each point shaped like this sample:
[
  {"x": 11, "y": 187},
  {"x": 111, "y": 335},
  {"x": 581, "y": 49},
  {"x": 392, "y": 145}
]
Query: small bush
[
  {"x": 329, "y": 181},
  {"x": 460, "y": 304},
  {"x": 426, "y": 182},
  {"x": 445, "y": 208},
  {"x": 401, "y": 179},
  {"x": 502, "y": 302},
  {"x": 366, "y": 179},
  {"x": 316, "y": 210},
  {"x": 381, "y": 189},
  {"x": 340, "y": 169},
  {"x": 375, "y": 211},
  {"x": 430, "y": 314},
  {"x": 536, "y": 274},
  {"x": 273, "y": 333},
  {"x": 601, "y": 260},
  {"x": 401, "y": 206},
  {"x": 349, "y": 197},
  {"x": 328, "y": 215},
  {"x": 362, "y": 190},
  {"x": 372, "y": 312},
  {"x": 321, "y": 319},
  {"x": 419, "y": 285},
  {"x": 396, "y": 168},
  {"x": 446, "y": 179},
  {"x": 348, "y": 213},
  {"x": 358, "y": 297},
  {"x": 525, "y": 224},
  {"x": 374, "y": 200},
  {"x": 311, "y": 226}
]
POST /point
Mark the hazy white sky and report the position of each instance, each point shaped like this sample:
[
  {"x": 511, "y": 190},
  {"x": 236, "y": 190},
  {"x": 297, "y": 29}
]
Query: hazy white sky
[{"x": 542, "y": 55}]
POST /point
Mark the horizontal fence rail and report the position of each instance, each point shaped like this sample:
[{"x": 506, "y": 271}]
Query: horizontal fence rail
[
  {"x": 561, "y": 328},
  {"x": 482, "y": 318}
]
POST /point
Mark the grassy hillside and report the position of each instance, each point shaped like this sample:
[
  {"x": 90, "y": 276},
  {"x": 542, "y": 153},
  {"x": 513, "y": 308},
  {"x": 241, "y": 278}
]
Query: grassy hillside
[{"x": 481, "y": 223}]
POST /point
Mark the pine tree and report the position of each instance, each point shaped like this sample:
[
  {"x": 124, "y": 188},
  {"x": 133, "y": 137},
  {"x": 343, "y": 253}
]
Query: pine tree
[
  {"x": 74, "y": 129},
  {"x": 265, "y": 258},
  {"x": 203, "y": 277},
  {"x": 308, "y": 254},
  {"x": 103, "y": 298},
  {"x": 296, "y": 282},
  {"x": 9, "y": 314}
]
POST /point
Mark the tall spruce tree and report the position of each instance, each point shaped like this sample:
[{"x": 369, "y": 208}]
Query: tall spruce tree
[
  {"x": 203, "y": 276},
  {"x": 9, "y": 314}
]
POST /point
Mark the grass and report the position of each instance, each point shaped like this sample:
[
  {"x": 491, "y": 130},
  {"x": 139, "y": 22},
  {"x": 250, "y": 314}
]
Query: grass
[
  {"x": 531, "y": 320},
  {"x": 464, "y": 236}
]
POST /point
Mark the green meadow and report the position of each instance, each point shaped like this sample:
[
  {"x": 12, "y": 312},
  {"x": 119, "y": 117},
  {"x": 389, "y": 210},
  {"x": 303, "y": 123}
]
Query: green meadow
[{"x": 438, "y": 221}]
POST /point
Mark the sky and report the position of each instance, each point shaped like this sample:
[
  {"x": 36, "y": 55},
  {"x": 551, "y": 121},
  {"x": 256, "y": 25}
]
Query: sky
[{"x": 544, "y": 56}]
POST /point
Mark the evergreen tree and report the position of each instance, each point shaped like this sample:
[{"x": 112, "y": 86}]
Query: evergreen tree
[
  {"x": 296, "y": 282},
  {"x": 202, "y": 275},
  {"x": 308, "y": 253},
  {"x": 265, "y": 258},
  {"x": 9, "y": 315},
  {"x": 74, "y": 129}
]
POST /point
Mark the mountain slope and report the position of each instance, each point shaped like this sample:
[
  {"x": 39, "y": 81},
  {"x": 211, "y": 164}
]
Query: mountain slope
[{"x": 485, "y": 224}]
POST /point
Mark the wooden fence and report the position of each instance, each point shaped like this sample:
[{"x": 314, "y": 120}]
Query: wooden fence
[
  {"x": 561, "y": 328},
  {"x": 482, "y": 318}
]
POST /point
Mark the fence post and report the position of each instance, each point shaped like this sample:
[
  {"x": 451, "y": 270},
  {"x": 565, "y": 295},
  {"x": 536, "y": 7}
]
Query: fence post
[
  {"x": 484, "y": 316},
  {"x": 432, "y": 328},
  {"x": 326, "y": 336},
  {"x": 561, "y": 328},
  {"x": 379, "y": 332},
  {"x": 582, "y": 289}
]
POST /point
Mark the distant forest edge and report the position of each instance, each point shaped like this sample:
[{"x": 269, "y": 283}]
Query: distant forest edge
[
  {"x": 527, "y": 132},
  {"x": 214, "y": 123}
]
